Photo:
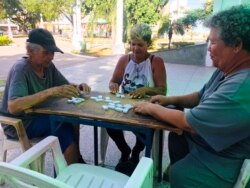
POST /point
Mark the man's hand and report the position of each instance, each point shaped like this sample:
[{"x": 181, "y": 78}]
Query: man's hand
[
  {"x": 142, "y": 107},
  {"x": 160, "y": 99},
  {"x": 66, "y": 90},
  {"x": 84, "y": 88},
  {"x": 113, "y": 87}
]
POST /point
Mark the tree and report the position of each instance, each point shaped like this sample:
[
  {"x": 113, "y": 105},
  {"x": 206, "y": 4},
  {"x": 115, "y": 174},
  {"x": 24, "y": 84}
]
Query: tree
[
  {"x": 100, "y": 9},
  {"x": 18, "y": 14},
  {"x": 2, "y": 12},
  {"x": 143, "y": 11},
  {"x": 196, "y": 15},
  {"x": 170, "y": 27},
  {"x": 26, "y": 13},
  {"x": 50, "y": 9},
  {"x": 190, "y": 20}
]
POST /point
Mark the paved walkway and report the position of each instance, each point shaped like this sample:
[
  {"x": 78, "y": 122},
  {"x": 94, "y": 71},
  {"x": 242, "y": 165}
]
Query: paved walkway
[{"x": 97, "y": 72}]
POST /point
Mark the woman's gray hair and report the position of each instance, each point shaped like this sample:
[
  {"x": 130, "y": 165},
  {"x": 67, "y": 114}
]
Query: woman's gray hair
[
  {"x": 141, "y": 32},
  {"x": 233, "y": 26},
  {"x": 35, "y": 47}
]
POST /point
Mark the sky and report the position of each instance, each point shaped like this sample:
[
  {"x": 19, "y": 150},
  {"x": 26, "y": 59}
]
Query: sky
[
  {"x": 196, "y": 3},
  {"x": 193, "y": 4}
]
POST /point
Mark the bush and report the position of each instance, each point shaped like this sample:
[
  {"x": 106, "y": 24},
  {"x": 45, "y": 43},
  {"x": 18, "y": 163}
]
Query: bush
[
  {"x": 4, "y": 40},
  {"x": 182, "y": 44}
]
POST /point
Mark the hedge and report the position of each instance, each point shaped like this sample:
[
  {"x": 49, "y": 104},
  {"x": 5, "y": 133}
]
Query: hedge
[{"x": 5, "y": 40}]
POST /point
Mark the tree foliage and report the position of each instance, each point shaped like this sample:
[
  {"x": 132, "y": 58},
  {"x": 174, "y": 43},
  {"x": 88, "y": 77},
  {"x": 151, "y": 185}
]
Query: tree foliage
[
  {"x": 50, "y": 10},
  {"x": 192, "y": 17},
  {"x": 2, "y": 11},
  {"x": 18, "y": 14},
  {"x": 100, "y": 9},
  {"x": 166, "y": 25},
  {"x": 26, "y": 13},
  {"x": 190, "y": 20},
  {"x": 143, "y": 11}
]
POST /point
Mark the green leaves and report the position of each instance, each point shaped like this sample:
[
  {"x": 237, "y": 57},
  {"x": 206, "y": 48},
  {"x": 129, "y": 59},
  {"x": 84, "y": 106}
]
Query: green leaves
[{"x": 143, "y": 11}]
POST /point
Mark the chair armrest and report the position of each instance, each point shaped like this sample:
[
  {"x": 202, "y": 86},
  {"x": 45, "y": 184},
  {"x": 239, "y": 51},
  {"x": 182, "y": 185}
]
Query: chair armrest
[
  {"x": 21, "y": 133},
  {"x": 15, "y": 174},
  {"x": 36, "y": 151},
  {"x": 244, "y": 175},
  {"x": 142, "y": 176}
]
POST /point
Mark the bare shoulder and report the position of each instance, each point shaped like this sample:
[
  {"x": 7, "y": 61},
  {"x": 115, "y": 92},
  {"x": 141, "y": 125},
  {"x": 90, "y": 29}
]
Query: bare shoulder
[
  {"x": 123, "y": 60},
  {"x": 157, "y": 60}
]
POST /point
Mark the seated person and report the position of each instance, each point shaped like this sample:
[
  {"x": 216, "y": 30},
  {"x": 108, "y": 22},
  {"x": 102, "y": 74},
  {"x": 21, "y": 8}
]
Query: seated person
[
  {"x": 137, "y": 74},
  {"x": 34, "y": 79},
  {"x": 216, "y": 137}
]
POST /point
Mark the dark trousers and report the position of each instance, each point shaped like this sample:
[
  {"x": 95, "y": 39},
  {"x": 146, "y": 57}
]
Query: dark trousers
[
  {"x": 119, "y": 139},
  {"x": 177, "y": 146}
]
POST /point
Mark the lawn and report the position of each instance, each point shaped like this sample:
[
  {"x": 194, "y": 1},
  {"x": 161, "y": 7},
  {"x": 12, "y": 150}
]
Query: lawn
[{"x": 2, "y": 83}]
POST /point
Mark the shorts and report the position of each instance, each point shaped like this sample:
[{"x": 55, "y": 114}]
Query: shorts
[{"x": 41, "y": 127}]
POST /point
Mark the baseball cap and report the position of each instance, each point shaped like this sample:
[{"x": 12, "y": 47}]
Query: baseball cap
[{"x": 44, "y": 38}]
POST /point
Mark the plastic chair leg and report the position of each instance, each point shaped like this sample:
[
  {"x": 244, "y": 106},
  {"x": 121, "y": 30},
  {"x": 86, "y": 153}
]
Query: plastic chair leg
[
  {"x": 104, "y": 138},
  {"x": 155, "y": 151}
]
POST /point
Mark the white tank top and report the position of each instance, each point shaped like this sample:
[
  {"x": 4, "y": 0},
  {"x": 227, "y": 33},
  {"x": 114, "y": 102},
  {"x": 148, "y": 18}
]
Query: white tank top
[{"x": 137, "y": 75}]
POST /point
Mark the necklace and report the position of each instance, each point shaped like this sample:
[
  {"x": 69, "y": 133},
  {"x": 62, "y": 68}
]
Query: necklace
[{"x": 138, "y": 69}]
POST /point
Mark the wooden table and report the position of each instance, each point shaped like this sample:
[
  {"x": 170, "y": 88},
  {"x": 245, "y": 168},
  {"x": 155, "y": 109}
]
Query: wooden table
[{"x": 91, "y": 112}]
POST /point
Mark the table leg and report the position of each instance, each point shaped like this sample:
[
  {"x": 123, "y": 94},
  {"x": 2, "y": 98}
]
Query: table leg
[
  {"x": 95, "y": 145},
  {"x": 148, "y": 142},
  {"x": 160, "y": 155}
]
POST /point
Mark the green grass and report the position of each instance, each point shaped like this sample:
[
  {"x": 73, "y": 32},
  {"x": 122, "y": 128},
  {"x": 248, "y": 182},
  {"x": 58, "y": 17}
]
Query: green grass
[
  {"x": 1, "y": 95},
  {"x": 2, "y": 83}
]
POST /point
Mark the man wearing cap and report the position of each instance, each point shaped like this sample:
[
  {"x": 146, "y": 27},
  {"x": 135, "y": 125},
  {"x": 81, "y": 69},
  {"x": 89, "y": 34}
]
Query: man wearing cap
[{"x": 34, "y": 79}]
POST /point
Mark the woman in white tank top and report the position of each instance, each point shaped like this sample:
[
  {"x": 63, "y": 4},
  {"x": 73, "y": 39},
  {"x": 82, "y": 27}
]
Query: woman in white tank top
[{"x": 137, "y": 74}]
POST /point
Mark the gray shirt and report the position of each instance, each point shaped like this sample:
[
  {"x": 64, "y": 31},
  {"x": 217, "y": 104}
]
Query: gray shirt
[
  {"x": 22, "y": 81},
  {"x": 222, "y": 122}
]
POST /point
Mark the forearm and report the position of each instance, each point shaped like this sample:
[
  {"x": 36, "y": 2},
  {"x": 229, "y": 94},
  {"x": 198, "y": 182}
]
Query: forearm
[
  {"x": 26, "y": 102},
  {"x": 173, "y": 117},
  {"x": 155, "y": 91},
  {"x": 185, "y": 101}
]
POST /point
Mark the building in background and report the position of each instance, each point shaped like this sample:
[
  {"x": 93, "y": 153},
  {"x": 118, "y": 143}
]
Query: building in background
[{"x": 4, "y": 27}]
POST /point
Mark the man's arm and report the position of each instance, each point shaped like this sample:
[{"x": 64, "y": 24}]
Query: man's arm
[
  {"x": 22, "y": 103},
  {"x": 171, "y": 116},
  {"x": 177, "y": 118},
  {"x": 185, "y": 101}
]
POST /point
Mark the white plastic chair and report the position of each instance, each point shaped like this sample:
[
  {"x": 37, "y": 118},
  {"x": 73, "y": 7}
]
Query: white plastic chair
[
  {"x": 22, "y": 142},
  {"x": 244, "y": 175},
  {"x": 72, "y": 176}
]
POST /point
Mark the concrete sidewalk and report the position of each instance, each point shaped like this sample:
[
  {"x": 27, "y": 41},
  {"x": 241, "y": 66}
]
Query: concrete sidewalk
[{"x": 97, "y": 72}]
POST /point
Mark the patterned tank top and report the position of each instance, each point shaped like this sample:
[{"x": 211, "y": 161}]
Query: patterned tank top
[{"x": 137, "y": 75}]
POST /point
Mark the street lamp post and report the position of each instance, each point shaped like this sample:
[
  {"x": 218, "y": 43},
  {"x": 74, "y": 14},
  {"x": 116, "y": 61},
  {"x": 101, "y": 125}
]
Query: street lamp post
[
  {"x": 41, "y": 21},
  {"x": 10, "y": 35},
  {"x": 118, "y": 47},
  {"x": 76, "y": 38}
]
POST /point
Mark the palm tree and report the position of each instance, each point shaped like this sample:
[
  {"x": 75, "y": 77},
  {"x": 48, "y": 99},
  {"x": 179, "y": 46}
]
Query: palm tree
[{"x": 170, "y": 27}]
